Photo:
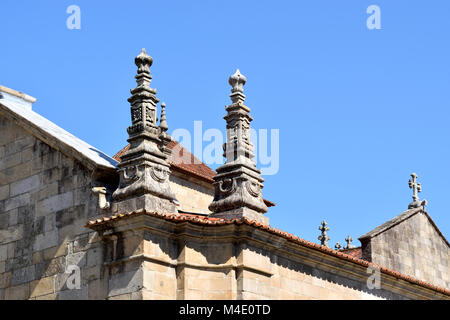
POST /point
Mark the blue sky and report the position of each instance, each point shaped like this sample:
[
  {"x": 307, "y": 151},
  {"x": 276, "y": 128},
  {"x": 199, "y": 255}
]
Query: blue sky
[{"x": 358, "y": 110}]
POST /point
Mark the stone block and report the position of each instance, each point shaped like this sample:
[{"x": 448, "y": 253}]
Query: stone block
[
  {"x": 50, "y": 267},
  {"x": 15, "y": 173},
  {"x": 127, "y": 282},
  {"x": 16, "y": 202},
  {"x": 94, "y": 257},
  {"x": 23, "y": 275},
  {"x": 11, "y": 234},
  {"x": 45, "y": 240},
  {"x": 24, "y": 186},
  {"x": 13, "y": 217},
  {"x": 5, "y": 280},
  {"x": 68, "y": 216},
  {"x": 10, "y": 161},
  {"x": 54, "y": 204},
  {"x": 4, "y": 192},
  {"x": 74, "y": 294},
  {"x": 98, "y": 289},
  {"x": 42, "y": 287},
  {"x": 55, "y": 252},
  {"x": 4, "y": 220},
  {"x": 20, "y": 292}
]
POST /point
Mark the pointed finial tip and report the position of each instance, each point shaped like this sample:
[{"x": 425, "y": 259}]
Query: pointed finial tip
[
  {"x": 237, "y": 81},
  {"x": 163, "y": 104},
  {"x": 143, "y": 61}
]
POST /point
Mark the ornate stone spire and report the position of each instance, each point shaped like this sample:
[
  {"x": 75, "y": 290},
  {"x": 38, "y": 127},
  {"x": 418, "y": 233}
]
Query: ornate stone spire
[
  {"x": 417, "y": 187},
  {"x": 349, "y": 242},
  {"x": 144, "y": 170},
  {"x": 238, "y": 183},
  {"x": 323, "y": 238}
]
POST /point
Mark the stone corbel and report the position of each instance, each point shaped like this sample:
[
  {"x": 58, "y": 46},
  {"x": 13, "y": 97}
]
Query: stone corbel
[{"x": 102, "y": 202}]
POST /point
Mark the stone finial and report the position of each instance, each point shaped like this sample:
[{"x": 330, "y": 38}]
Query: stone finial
[
  {"x": 144, "y": 170},
  {"x": 238, "y": 183},
  {"x": 237, "y": 82},
  {"x": 163, "y": 122},
  {"x": 323, "y": 237},
  {"x": 416, "y": 187},
  {"x": 338, "y": 246},
  {"x": 143, "y": 61},
  {"x": 349, "y": 242}
]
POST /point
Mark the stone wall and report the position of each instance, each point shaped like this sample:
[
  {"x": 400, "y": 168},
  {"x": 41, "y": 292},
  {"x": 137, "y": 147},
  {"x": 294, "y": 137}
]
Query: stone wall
[
  {"x": 412, "y": 247},
  {"x": 158, "y": 259},
  {"x": 194, "y": 195},
  {"x": 45, "y": 200}
]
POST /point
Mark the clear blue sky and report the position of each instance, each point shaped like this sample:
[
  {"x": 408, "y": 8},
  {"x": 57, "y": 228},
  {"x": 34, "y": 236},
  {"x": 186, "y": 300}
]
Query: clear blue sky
[{"x": 358, "y": 110}]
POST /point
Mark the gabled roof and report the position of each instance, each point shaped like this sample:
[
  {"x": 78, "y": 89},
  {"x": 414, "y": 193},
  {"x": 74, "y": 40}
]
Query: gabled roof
[
  {"x": 398, "y": 219},
  {"x": 55, "y": 136},
  {"x": 184, "y": 161}
]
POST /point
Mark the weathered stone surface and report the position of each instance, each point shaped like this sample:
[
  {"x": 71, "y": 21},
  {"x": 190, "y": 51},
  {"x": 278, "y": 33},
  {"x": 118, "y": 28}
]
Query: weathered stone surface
[
  {"x": 238, "y": 183},
  {"x": 21, "y": 292},
  {"x": 4, "y": 192},
  {"x": 144, "y": 169},
  {"x": 25, "y": 185},
  {"x": 42, "y": 287},
  {"x": 409, "y": 243},
  {"x": 126, "y": 282},
  {"x": 23, "y": 275},
  {"x": 37, "y": 207}
]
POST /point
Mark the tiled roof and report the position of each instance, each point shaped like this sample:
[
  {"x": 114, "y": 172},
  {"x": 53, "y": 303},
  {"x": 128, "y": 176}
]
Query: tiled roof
[
  {"x": 354, "y": 252},
  {"x": 184, "y": 161},
  {"x": 209, "y": 221}
]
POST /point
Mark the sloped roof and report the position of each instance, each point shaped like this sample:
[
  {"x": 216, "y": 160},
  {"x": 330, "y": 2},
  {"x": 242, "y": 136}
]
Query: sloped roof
[
  {"x": 398, "y": 219},
  {"x": 354, "y": 252},
  {"x": 184, "y": 161},
  {"x": 55, "y": 136},
  {"x": 213, "y": 222}
]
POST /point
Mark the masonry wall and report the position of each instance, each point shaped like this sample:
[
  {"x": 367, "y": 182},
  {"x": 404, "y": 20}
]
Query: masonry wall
[
  {"x": 412, "y": 247},
  {"x": 45, "y": 200},
  {"x": 193, "y": 195},
  {"x": 218, "y": 269},
  {"x": 163, "y": 260}
]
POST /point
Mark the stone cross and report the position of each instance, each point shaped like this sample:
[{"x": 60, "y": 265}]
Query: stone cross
[
  {"x": 349, "y": 242},
  {"x": 323, "y": 237},
  {"x": 338, "y": 246},
  {"x": 416, "y": 187}
]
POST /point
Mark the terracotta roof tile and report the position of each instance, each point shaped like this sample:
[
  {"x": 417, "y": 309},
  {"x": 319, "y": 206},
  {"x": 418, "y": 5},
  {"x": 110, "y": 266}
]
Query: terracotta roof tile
[
  {"x": 209, "y": 221},
  {"x": 354, "y": 252}
]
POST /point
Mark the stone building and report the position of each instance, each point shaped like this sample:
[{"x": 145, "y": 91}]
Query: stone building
[{"x": 155, "y": 223}]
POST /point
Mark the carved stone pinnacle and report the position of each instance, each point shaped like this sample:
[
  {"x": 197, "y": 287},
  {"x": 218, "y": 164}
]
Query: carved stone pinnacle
[{"x": 238, "y": 183}]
